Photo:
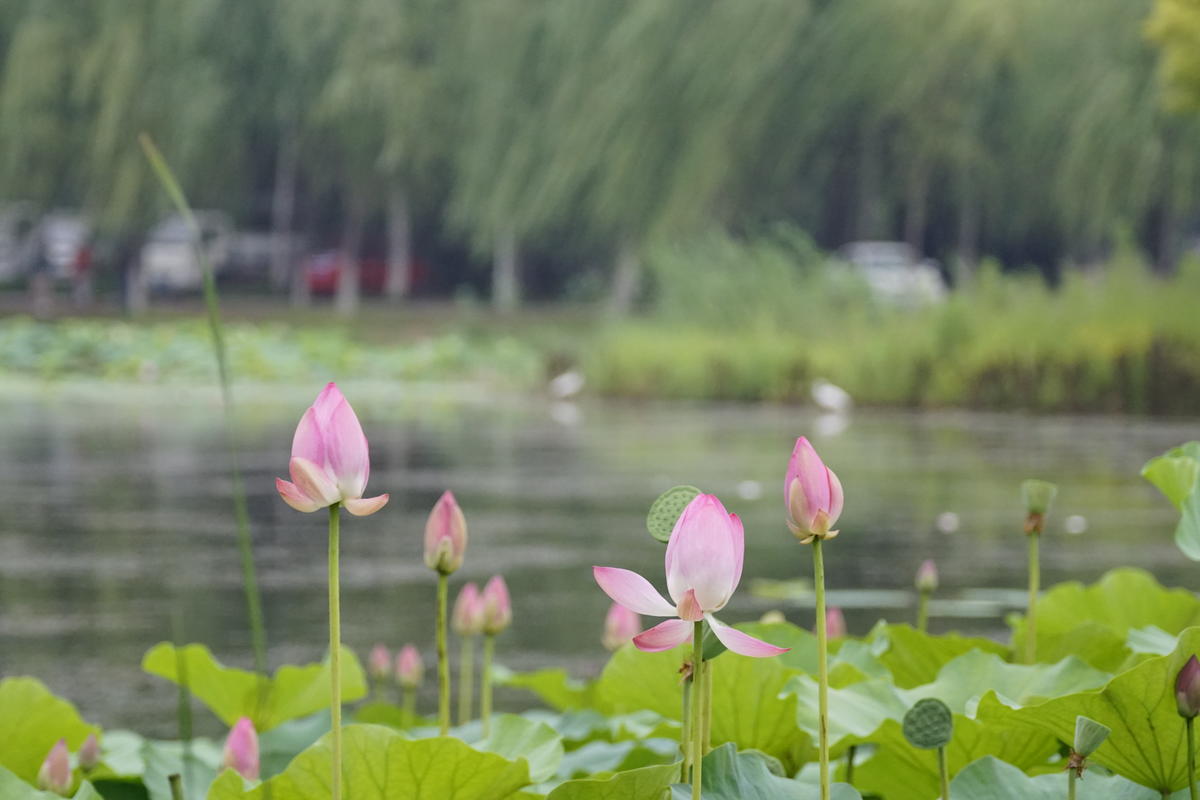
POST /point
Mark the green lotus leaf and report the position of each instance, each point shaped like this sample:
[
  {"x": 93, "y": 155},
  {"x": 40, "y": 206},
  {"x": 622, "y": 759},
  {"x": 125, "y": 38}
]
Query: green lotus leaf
[
  {"x": 1176, "y": 473},
  {"x": 651, "y": 783},
  {"x": 992, "y": 779},
  {"x": 915, "y": 658},
  {"x": 32, "y": 720},
  {"x": 13, "y": 788},
  {"x": 730, "y": 775},
  {"x": 556, "y": 688}
]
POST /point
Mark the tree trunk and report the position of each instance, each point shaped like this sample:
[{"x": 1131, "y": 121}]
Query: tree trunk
[
  {"x": 283, "y": 207},
  {"x": 915, "y": 206},
  {"x": 627, "y": 275},
  {"x": 346, "y": 301},
  {"x": 506, "y": 272},
  {"x": 399, "y": 236}
]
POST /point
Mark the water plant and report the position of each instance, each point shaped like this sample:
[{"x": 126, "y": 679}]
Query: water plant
[
  {"x": 1089, "y": 735},
  {"x": 241, "y": 750},
  {"x": 813, "y": 497},
  {"x": 468, "y": 622},
  {"x": 926, "y": 584},
  {"x": 329, "y": 469},
  {"x": 929, "y": 725},
  {"x": 1037, "y": 495},
  {"x": 445, "y": 548},
  {"x": 497, "y": 616},
  {"x": 410, "y": 673}
]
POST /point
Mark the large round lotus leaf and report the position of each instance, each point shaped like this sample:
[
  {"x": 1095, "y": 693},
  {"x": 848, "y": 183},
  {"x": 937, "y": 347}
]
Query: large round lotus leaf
[
  {"x": 665, "y": 511},
  {"x": 929, "y": 724}
]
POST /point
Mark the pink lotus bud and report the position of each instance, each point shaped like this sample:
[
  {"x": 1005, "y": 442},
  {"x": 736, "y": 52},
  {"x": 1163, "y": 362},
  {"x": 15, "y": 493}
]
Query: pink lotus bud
[
  {"x": 410, "y": 669},
  {"x": 497, "y": 608},
  {"x": 329, "y": 459},
  {"x": 835, "y": 623},
  {"x": 468, "y": 611},
  {"x": 812, "y": 493},
  {"x": 380, "y": 662},
  {"x": 927, "y": 577},
  {"x": 89, "y": 753},
  {"x": 241, "y": 750},
  {"x": 620, "y": 626},
  {"x": 55, "y": 773},
  {"x": 1187, "y": 689},
  {"x": 445, "y": 535}
]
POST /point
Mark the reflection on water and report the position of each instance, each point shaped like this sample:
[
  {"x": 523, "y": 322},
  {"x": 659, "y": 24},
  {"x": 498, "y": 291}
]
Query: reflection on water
[{"x": 113, "y": 512}]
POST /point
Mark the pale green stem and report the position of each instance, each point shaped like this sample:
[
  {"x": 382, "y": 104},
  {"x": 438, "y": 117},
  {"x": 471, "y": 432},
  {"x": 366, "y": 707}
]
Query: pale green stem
[
  {"x": 335, "y": 651},
  {"x": 822, "y": 668},
  {"x": 850, "y": 753},
  {"x": 1070, "y": 784},
  {"x": 697, "y": 708},
  {"x": 1191, "y": 758},
  {"x": 1031, "y": 613},
  {"x": 706, "y": 742},
  {"x": 175, "y": 781},
  {"x": 922, "y": 611},
  {"x": 443, "y": 658},
  {"x": 466, "y": 680},
  {"x": 685, "y": 731},
  {"x": 410, "y": 703},
  {"x": 485, "y": 690},
  {"x": 944, "y": 773}
]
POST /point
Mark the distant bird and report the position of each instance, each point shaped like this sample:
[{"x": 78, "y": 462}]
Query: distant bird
[
  {"x": 830, "y": 397},
  {"x": 568, "y": 384}
]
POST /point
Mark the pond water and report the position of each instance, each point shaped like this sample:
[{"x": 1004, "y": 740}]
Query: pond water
[{"x": 115, "y": 513}]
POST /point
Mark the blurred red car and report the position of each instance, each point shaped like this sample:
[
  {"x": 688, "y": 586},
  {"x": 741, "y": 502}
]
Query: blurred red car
[{"x": 323, "y": 271}]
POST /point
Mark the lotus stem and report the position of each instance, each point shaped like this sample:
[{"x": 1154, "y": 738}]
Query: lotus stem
[
  {"x": 850, "y": 753},
  {"x": 443, "y": 659},
  {"x": 485, "y": 690},
  {"x": 176, "y": 783},
  {"x": 707, "y": 687},
  {"x": 1070, "y": 784},
  {"x": 1031, "y": 613},
  {"x": 409, "y": 701},
  {"x": 335, "y": 651},
  {"x": 944, "y": 773},
  {"x": 466, "y": 679},
  {"x": 822, "y": 667},
  {"x": 685, "y": 731},
  {"x": 1191, "y": 757},
  {"x": 697, "y": 708},
  {"x": 923, "y": 611}
]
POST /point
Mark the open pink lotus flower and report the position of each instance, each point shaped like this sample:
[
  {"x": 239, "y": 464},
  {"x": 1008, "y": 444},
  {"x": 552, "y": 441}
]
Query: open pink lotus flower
[
  {"x": 329, "y": 459},
  {"x": 812, "y": 493},
  {"x": 704, "y": 566}
]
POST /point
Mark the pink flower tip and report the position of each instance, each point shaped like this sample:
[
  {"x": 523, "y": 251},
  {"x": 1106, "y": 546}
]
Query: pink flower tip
[
  {"x": 497, "y": 607},
  {"x": 927, "y": 577},
  {"x": 55, "y": 772},
  {"x": 380, "y": 662},
  {"x": 410, "y": 669},
  {"x": 835, "y": 623},
  {"x": 812, "y": 494},
  {"x": 241, "y": 749},
  {"x": 89, "y": 753},
  {"x": 1187, "y": 689},
  {"x": 445, "y": 535},
  {"x": 620, "y": 626},
  {"x": 468, "y": 616}
]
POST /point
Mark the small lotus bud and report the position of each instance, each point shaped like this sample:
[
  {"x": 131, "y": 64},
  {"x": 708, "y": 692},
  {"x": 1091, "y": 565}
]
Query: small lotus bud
[
  {"x": 620, "y": 626},
  {"x": 241, "y": 750},
  {"x": 467, "y": 619},
  {"x": 445, "y": 535},
  {"x": 835, "y": 623},
  {"x": 1187, "y": 689},
  {"x": 1037, "y": 496},
  {"x": 55, "y": 773},
  {"x": 497, "y": 607},
  {"x": 1089, "y": 735},
  {"x": 380, "y": 662},
  {"x": 927, "y": 577},
  {"x": 773, "y": 617},
  {"x": 812, "y": 495},
  {"x": 89, "y": 753},
  {"x": 410, "y": 669}
]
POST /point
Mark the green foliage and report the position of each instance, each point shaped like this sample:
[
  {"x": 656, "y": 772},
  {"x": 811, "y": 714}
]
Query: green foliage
[
  {"x": 916, "y": 658},
  {"x": 730, "y": 775},
  {"x": 553, "y": 686},
  {"x": 991, "y": 779},
  {"x": 1176, "y": 473},
  {"x": 232, "y": 693},
  {"x": 652, "y": 783},
  {"x": 13, "y": 788},
  {"x": 33, "y": 720}
]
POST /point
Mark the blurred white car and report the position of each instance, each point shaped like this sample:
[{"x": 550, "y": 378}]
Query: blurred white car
[
  {"x": 169, "y": 260},
  {"x": 895, "y": 272}
]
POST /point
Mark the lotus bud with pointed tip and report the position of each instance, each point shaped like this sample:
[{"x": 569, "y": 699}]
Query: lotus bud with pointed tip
[
  {"x": 467, "y": 619},
  {"x": 497, "y": 607},
  {"x": 812, "y": 493},
  {"x": 620, "y": 626},
  {"x": 1037, "y": 496},
  {"x": 445, "y": 535},
  {"x": 89, "y": 753},
  {"x": 241, "y": 750},
  {"x": 1089, "y": 735},
  {"x": 380, "y": 662},
  {"x": 927, "y": 577},
  {"x": 55, "y": 773},
  {"x": 835, "y": 623},
  {"x": 410, "y": 669},
  {"x": 1187, "y": 689}
]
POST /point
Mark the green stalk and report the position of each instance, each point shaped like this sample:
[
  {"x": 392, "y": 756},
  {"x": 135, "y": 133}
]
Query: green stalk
[
  {"x": 706, "y": 725},
  {"x": 485, "y": 690},
  {"x": 850, "y": 753},
  {"x": 922, "y": 611},
  {"x": 466, "y": 679},
  {"x": 685, "y": 731},
  {"x": 697, "y": 708},
  {"x": 822, "y": 667},
  {"x": 944, "y": 773},
  {"x": 175, "y": 781},
  {"x": 410, "y": 703},
  {"x": 443, "y": 658},
  {"x": 1070, "y": 784},
  {"x": 1031, "y": 613},
  {"x": 1191, "y": 755},
  {"x": 183, "y": 706},
  {"x": 335, "y": 650}
]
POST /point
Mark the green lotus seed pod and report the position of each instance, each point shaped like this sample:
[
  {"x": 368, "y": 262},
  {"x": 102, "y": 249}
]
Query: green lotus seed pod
[
  {"x": 1037, "y": 495},
  {"x": 1089, "y": 735},
  {"x": 665, "y": 511},
  {"x": 929, "y": 724}
]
